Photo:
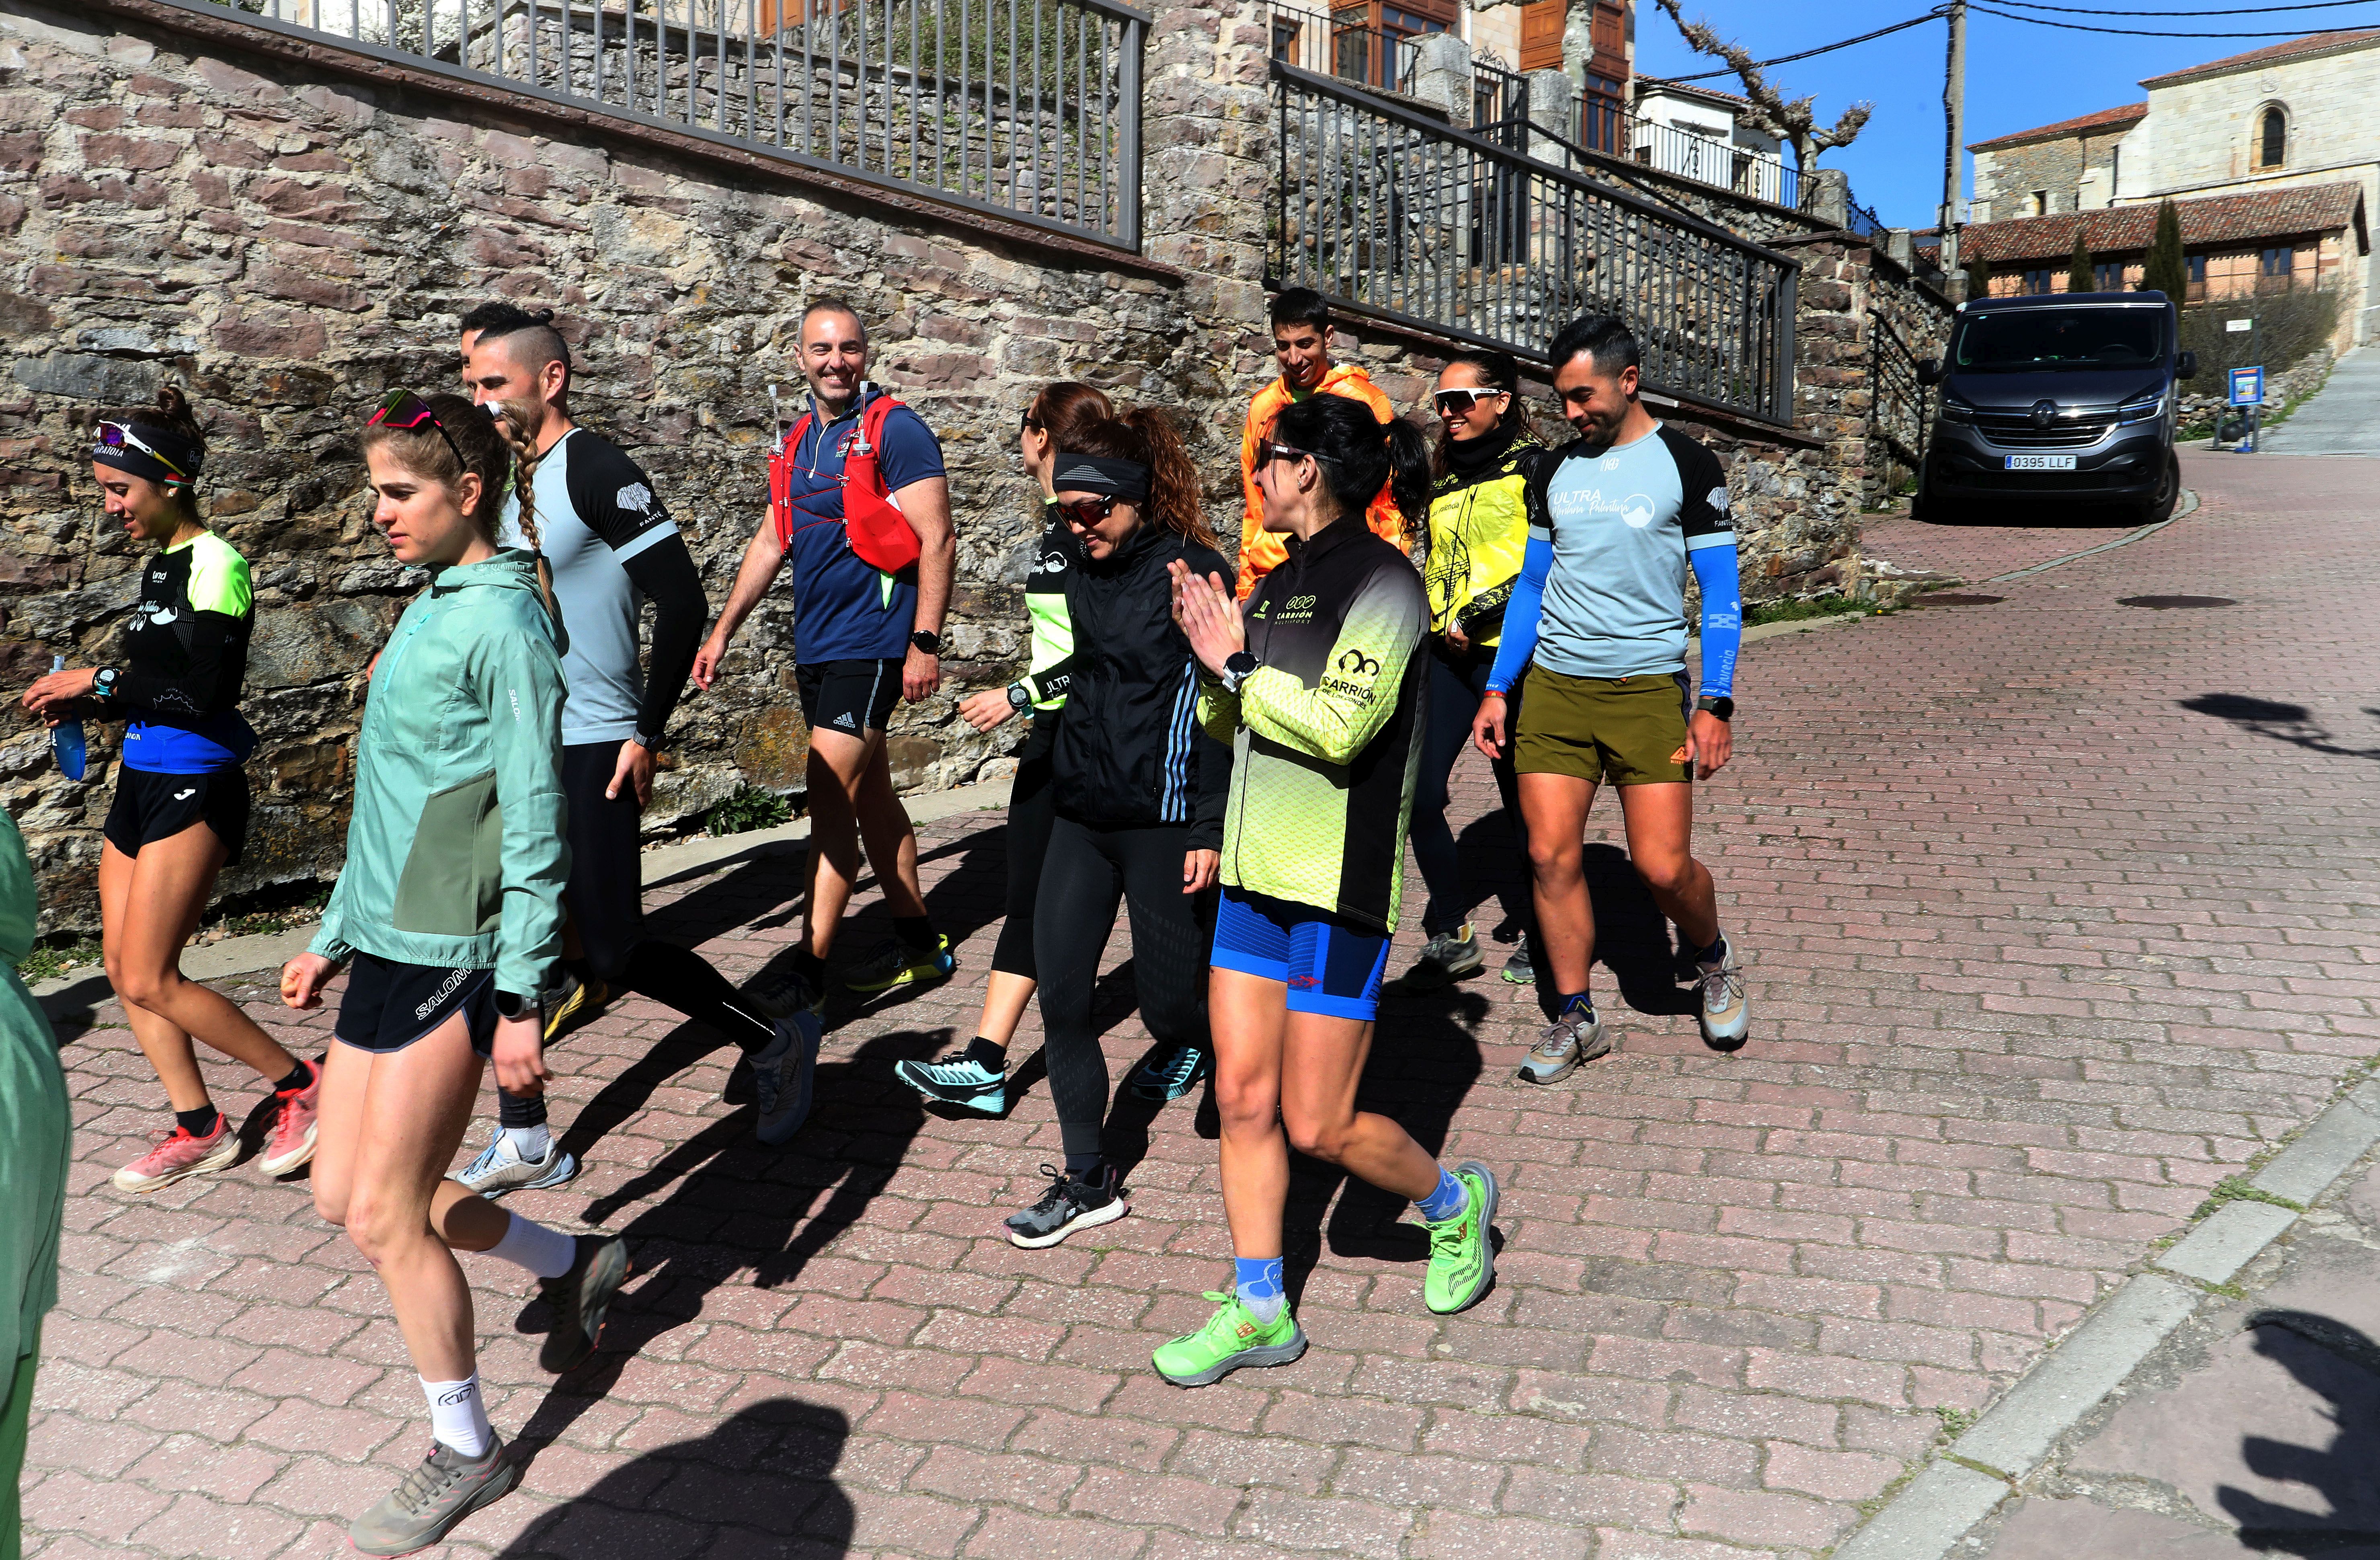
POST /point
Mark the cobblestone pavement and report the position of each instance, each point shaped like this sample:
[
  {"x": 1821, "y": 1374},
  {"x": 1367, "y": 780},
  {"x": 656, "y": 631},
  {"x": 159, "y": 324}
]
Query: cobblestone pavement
[{"x": 2057, "y": 911}]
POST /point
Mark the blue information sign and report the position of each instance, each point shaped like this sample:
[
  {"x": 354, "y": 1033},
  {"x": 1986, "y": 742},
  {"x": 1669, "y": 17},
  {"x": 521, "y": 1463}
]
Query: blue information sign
[{"x": 2248, "y": 386}]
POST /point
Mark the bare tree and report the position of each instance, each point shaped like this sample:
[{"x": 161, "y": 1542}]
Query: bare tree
[{"x": 1795, "y": 119}]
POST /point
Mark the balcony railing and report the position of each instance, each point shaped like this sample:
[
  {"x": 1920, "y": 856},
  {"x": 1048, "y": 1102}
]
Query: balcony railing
[
  {"x": 1391, "y": 213},
  {"x": 1738, "y": 169},
  {"x": 1348, "y": 48},
  {"x": 1025, "y": 109}
]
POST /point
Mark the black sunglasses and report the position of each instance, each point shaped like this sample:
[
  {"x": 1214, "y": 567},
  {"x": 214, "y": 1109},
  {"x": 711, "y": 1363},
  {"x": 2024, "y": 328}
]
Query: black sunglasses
[
  {"x": 1086, "y": 512},
  {"x": 403, "y": 409}
]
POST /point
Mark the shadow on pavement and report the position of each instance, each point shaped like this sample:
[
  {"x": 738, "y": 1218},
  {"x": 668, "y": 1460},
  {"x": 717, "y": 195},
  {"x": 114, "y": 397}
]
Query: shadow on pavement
[
  {"x": 1632, "y": 937},
  {"x": 2294, "y": 724},
  {"x": 2340, "y": 1368},
  {"x": 759, "y": 1482}
]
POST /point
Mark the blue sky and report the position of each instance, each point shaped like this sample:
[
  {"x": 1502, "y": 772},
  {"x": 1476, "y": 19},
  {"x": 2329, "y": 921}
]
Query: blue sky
[{"x": 2017, "y": 76}]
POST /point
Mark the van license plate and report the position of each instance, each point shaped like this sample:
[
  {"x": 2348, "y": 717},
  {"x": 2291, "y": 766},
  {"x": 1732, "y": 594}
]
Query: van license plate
[{"x": 2040, "y": 463}]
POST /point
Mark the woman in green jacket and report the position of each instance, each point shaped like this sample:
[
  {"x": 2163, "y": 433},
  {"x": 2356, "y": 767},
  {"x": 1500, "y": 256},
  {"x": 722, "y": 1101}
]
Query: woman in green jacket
[
  {"x": 34, "y": 1129},
  {"x": 450, "y": 910}
]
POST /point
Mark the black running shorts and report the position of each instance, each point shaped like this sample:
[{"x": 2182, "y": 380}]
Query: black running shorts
[
  {"x": 606, "y": 892},
  {"x": 852, "y": 697},
  {"x": 147, "y": 807},
  {"x": 389, "y": 1006}
]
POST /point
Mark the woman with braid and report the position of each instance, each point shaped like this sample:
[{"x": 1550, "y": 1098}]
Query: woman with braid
[
  {"x": 611, "y": 547},
  {"x": 180, "y": 812},
  {"x": 448, "y": 913}
]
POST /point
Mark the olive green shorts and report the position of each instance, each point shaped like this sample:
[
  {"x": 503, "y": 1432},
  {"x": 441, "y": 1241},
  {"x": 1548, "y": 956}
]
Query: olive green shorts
[{"x": 1619, "y": 731}]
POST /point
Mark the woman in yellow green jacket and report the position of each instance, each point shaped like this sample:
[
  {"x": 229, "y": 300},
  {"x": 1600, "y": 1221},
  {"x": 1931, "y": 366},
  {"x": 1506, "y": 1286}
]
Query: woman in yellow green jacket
[{"x": 1478, "y": 528}]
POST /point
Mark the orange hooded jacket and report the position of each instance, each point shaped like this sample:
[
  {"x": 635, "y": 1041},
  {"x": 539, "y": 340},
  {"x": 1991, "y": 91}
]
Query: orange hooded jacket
[{"x": 1260, "y": 550}]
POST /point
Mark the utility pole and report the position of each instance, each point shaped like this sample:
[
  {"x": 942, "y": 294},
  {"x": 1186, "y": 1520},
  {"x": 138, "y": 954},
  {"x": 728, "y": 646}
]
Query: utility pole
[{"x": 1954, "y": 115}]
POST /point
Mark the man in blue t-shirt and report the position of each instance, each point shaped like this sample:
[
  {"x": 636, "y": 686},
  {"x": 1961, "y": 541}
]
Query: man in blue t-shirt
[{"x": 863, "y": 638}]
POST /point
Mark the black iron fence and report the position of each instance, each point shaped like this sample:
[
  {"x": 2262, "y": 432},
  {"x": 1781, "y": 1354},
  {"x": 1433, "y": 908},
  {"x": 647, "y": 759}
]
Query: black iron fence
[
  {"x": 1391, "y": 212},
  {"x": 1901, "y": 409},
  {"x": 1346, "y": 46},
  {"x": 1028, "y": 109}
]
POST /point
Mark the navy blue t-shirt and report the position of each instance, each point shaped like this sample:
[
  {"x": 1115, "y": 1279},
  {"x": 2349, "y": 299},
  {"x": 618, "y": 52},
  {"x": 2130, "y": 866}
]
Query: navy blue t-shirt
[{"x": 845, "y": 610}]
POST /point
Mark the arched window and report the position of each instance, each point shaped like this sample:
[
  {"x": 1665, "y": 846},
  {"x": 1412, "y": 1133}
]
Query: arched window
[{"x": 2272, "y": 138}]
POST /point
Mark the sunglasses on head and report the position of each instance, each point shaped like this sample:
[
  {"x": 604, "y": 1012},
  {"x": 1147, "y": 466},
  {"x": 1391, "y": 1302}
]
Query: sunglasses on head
[
  {"x": 1270, "y": 450},
  {"x": 403, "y": 409},
  {"x": 1086, "y": 512},
  {"x": 1451, "y": 403},
  {"x": 117, "y": 436}
]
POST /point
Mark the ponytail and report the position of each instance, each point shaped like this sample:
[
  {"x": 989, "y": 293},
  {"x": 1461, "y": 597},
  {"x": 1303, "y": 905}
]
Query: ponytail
[
  {"x": 1409, "y": 476},
  {"x": 1360, "y": 455}
]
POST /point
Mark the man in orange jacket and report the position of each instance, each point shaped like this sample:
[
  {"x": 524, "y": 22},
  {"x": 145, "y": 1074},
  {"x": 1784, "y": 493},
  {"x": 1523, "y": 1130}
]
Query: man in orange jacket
[{"x": 1301, "y": 344}]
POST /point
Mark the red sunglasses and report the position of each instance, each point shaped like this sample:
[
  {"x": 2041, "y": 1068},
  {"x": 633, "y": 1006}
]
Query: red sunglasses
[
  {"x": 1086, "y": 512},
  {"x": 403, "y": 409}
]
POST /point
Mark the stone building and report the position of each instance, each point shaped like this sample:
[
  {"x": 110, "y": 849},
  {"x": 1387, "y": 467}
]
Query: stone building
[
  {"x": 289, "y": 229},
  {"x": 2292, "y": 116}
]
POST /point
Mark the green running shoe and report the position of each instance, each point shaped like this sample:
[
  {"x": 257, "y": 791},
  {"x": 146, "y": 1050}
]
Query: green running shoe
[
  {"x": 896, "y": 964},
  {"x": 1461, "y": 1258},
  {"x": 1232, "y": 1337}
]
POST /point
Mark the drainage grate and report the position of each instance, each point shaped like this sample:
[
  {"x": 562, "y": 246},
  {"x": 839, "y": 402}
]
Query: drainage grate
[
  {"x": 2166, "y": 603},
  {"x": 1946, "y": 598}
]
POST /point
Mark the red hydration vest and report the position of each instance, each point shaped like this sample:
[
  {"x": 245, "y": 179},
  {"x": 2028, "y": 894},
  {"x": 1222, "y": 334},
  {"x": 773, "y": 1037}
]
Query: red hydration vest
[{"x": 878, "y": 531}]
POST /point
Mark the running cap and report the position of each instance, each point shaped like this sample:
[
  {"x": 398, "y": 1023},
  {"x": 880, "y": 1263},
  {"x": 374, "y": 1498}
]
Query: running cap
[
  {"x": 1126, "y": 479},
  {"x": 155, "y": 454}
]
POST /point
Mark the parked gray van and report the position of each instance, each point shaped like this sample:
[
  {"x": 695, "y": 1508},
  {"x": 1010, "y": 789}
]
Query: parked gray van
[{"x": 2057, "y": 398}]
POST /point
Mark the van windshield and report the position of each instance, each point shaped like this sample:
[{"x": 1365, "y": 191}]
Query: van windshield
[{"x": 2039, "y": 340}]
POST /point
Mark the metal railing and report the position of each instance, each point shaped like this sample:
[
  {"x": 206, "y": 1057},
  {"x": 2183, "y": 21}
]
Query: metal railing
[
  {"x": 1026, "y": 109},
  {"x": 1500, "y": 103},
  {"x": 1666, "y": 149},
  {"x": 1349, "y": 49},
  {"x": 1899, "y": 406},
  {"x": 1390, "y": 213}
]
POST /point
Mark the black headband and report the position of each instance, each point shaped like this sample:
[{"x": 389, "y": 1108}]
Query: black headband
[
  {"x": 1126, "y": 479},
  {"x": 183, "y": 452}
]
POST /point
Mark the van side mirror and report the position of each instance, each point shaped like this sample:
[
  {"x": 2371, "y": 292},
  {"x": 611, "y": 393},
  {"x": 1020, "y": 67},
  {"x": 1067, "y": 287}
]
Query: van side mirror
[
  {"x": 2186, "y": 366},
  {"x": 1930, "y": 371}
]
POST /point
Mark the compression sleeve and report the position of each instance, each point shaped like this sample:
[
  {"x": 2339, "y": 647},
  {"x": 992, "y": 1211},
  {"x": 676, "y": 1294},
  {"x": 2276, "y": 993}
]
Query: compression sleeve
[
  {"x": 664, "y": 574},
  {"x": 1519, "y": 641},
  {"x": 1715, "y": 570}
]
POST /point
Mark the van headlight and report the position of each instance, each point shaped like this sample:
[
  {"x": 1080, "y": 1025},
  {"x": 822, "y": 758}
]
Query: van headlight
[
  {"x": 1957, "y": 411},
  {"x": 2141, "y": 410}
]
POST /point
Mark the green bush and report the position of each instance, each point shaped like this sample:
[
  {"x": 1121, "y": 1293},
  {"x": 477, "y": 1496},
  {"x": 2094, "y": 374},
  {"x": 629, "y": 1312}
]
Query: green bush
[
  {"x": 750, "y": 808},
  {"x": 2290, "y": 326}
]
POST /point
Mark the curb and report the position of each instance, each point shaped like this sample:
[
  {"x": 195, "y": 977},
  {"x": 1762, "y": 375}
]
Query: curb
[
  {"x": 1968, "y": 1479},
  {"x": 2183, "y": 510}
]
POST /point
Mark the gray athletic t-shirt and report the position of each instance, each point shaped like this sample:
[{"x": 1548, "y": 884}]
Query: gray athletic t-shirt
[
  {"x": 1622, "y": 520},
  {"x": 595, "y": 510}
]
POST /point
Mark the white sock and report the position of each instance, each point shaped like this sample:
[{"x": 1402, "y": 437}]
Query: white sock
[
  {"x": 529, "y": 1142},
  {"x": 457, "y": 1417},
  {"x": 548, "y": 1253},
  {"x": 1264, "y": 1308}
]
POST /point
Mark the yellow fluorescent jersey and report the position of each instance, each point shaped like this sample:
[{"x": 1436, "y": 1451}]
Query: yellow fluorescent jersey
[{"x": 1478, "y": 528}]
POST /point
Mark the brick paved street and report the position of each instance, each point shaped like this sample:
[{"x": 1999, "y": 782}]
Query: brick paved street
[{"x": 2059, "y": 912}]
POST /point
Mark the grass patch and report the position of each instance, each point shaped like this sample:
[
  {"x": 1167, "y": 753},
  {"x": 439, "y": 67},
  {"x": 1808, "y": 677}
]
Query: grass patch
[
  {"x": 1955, "y": 1421},
  {"x": 2236, "y": 1189},
  {"x": 1831, "y": 605},
  {"x": 47, "y": 961},
  {"x": 750, "y": 808}
]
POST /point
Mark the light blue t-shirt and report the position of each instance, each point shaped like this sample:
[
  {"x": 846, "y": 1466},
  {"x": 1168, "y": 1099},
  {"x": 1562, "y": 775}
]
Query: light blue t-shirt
[{"x": 1621, "y": 522}]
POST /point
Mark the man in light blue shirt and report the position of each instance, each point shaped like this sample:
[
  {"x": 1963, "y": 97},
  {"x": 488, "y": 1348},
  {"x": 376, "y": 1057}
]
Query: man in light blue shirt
[{"x": 1597, "y": 623}]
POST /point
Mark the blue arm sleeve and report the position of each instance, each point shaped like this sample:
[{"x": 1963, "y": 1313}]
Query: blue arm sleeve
[
  {"x": 1715, "y": 570},
  {"x": 1519, "y": 641}
]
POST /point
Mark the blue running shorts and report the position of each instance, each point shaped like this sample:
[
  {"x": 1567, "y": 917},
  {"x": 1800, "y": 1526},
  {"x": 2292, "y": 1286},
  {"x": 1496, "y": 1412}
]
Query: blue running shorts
[{"x": 1329, "y": 967}]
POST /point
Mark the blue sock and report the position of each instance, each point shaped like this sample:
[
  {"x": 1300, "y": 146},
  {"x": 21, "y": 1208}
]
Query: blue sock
[
  {"x": 1576, "y": 999},
  {"x": 1450, "y": 1197},
  {"x": 1259, "y": 1281}
]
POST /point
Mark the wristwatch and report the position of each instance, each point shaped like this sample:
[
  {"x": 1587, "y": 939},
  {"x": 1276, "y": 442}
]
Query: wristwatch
[
  {"x": 650, "y": 744},
  {"x": 511, "y": 1004},
  {"x": 930, "y": 643},
  {"x": 102, "y": 682},
  {"x": 1019, "y": 696},
  {"x": 1236, "y": 667},
  {"x": 1718, "y": 704}
]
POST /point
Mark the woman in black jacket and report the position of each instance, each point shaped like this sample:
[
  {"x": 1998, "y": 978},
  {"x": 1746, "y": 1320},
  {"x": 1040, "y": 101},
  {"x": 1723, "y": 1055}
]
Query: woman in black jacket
[{"x": 1140, "y": 792}]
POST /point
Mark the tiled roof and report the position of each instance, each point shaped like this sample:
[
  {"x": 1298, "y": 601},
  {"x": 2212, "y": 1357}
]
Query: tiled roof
[
  {"x": 2310, "y": 44},
  {"x": 2285, "y": 213},
  {"x": 1662, "y": 84},
  {"x": 2129, "y": 114}
]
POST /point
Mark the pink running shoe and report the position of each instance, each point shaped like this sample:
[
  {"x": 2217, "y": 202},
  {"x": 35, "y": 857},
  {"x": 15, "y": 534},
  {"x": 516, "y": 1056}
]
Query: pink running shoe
[
  {"x": 292, "y": 1142},
  {"x": 178, "y": 1154}
]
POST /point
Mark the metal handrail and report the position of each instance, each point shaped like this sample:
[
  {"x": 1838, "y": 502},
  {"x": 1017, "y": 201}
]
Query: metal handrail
[
  {"x": 1394, "y": 213},
  {"x": 1722, "y": 164},
  {"x": 1028, "y": 110}
]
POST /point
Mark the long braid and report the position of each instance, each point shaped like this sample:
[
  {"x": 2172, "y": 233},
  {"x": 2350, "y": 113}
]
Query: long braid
[{"x": 525, "y": 463}]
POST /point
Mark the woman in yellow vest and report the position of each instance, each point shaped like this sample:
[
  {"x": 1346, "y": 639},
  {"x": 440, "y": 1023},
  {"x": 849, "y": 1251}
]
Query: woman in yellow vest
[{"x": 1478, "y": 526}]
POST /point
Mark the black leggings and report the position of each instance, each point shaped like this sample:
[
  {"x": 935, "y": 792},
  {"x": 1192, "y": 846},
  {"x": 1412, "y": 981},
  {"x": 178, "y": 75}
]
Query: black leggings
[
  {"x": 1087, "y": 872},
  {"x": 1454, "y": 692},
  {"x": 1032, "y": 808}
]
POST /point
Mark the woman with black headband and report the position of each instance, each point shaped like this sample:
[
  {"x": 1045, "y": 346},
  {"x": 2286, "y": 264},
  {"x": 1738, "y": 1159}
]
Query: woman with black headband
[
  {"x": 1139, "y": 792},
  {"x": 180, "y": 812}
]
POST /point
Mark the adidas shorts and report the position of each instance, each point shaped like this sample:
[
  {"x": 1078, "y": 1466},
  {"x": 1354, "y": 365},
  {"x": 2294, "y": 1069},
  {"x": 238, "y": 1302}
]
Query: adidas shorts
[{"x": 852, "y": 697}]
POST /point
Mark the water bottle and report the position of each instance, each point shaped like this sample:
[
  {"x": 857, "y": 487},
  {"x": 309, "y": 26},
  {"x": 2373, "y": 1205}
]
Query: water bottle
[{"x": 66, "y": 738}]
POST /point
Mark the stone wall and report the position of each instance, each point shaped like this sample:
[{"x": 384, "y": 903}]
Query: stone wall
[{"x": 290, "y": 240}]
